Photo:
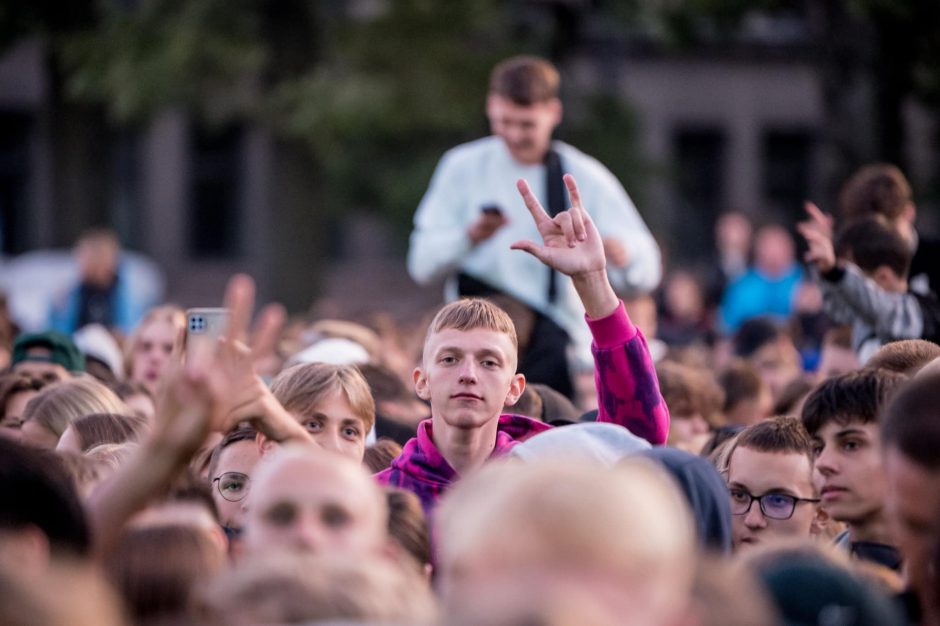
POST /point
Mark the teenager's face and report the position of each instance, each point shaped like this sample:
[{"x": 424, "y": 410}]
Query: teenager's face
[
  {"x": 152, "y": 352},
  {"x": 912, "y": 502},
  {"x": 468, "y": 376},
  {"x": 335, "y": 425},
  {"x": 848, "y": 472},
  {"x": 240, "y": 457},
  {"x": 318, "y": 504},
  {"x": 760, "y": 473},
  {"x": 526, "y": 130}
]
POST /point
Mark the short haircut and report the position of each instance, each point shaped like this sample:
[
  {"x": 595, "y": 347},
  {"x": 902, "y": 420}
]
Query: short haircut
[
  {"x": 912, "y": 421},
  {"x": 741, "y": 381},
  {"x": 243, "y": 433},
  {"x": 858, "y": 396},
  {"x": 778, "y": 434},
  {"x": 906, "y": 356},
  {"x": 36, "y": 490},
  {"x": 525, "y": 80},
  {"x": 870, "y": 243},
  {"x": 301, "y": 387},
  {"x": 754, "y": 334},
  {"x": 472, "y": 313},
  {"x": 879, "y": 189}
]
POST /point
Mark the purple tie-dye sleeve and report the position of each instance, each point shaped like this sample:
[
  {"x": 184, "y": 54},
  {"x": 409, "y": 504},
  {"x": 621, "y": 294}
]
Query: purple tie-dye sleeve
[{"x": 625, "y": 377}]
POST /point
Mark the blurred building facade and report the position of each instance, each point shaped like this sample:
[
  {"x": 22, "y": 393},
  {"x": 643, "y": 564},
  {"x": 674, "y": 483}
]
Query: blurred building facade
[{"x": 724, "y": 129}]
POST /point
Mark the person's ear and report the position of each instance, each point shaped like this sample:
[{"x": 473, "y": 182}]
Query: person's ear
[
  {"x": 910, "y": 212},
  {"x": 264, "y": 444},
  {"x": 422, "y": 388},
  {"x": 516, "y": 387},
  {"x": 886, "y": 278}
]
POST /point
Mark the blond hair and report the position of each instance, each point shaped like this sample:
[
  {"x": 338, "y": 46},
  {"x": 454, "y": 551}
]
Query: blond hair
[
  {"x": 57, "y": 405},
  {"x": 472, "y": 313},
  {"x": 302, "y": 387},
  {"x": 169, "y": 313}
]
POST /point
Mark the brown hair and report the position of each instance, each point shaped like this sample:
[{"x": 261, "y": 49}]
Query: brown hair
[
  {"x": 301, "y": 387},
  {"x": 525, "y": 80},
  {"x": 870, "y": 243},
  {"x": 778, "y": 434},
  {"x": 912, "y": 421},
  {"x": 689, "y": 390},
  {"x": 12, "y": 384},
  {"x": 243, "y": 433},
  {"x": 157, "y": 568},
  {"x": 858, "y": 396},
  {"x": 472, "y": 313},
  {"x": 407, "y": 525},
  {"x": 879, "y": 188},
  {"x": 380, "y": 455},
  {"x": 741, "y": 381},
  {"x": 906, "y": 356}
]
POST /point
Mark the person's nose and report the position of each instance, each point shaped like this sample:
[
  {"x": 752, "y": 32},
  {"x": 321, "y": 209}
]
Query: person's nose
[
  {"x": 468, "y": 372},
  {"x": 330, "y": 439},
  {"x": 309, "y": 534},
  {"x": 826, "y": 463},
  {"x": 755, "y": 517}
]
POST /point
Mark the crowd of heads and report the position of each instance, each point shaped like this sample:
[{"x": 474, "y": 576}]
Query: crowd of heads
[{"x": 799, "y": 482}]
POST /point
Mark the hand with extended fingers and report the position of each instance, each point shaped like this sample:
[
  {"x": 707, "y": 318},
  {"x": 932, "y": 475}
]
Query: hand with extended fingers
[
  {"x": 223, "y": 380},
  {"x": 572, "y": 246},
  {"x": 817, "y": 231}
]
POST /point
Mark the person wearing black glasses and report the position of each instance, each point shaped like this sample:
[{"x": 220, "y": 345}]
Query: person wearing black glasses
[{"x": 770, "y": 483}]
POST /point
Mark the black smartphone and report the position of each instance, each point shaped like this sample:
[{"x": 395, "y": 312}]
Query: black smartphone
[{"x": 492, "y": 209}]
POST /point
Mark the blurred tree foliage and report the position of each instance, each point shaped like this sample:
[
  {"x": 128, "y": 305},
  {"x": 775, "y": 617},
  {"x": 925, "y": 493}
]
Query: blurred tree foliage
[{"x": 374, "y": 91}]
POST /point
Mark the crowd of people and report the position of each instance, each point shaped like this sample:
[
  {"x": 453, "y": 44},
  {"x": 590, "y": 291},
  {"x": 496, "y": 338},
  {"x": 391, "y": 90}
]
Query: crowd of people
[{"x": 558, "y": 444}]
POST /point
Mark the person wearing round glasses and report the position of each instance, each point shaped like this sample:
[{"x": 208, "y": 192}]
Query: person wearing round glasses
[
  {"x": 230, "y": 469},
  {"x": 770, "y": 483}
]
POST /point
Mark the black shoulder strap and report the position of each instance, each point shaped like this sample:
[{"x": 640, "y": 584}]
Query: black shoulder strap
[{"x": 555, "y": 192}]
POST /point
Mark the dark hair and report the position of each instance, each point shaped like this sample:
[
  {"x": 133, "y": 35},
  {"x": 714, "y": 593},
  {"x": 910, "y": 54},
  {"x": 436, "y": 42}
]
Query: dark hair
[
  {"x": 741, "y": 381},
  {"x": 879, "y": 189},
  {"x": 13, "y": 383},
  {"x": 858, "y": 396},
  {"x": 242, "y": 433},
  {"x": 791, "y": 394},
  {"x": 189, "y": 488},
  {"x": 525, "y": 80},
  {"x": 753, "y": 334},
  {"x": 870, "y": 243},
  {"x": 98, "y": 428},
  {"x": 911, "y": 421},
  {"x": 407, "y": 525},
  {"x": 906, "y": 356},
  {"x": 379, "y": 455},
  {"x": 36, "y": 490},
  {"x": 384, "y": 383},
  {"x": 777, "y": 434},
  {"x": 128, "y": 388}
]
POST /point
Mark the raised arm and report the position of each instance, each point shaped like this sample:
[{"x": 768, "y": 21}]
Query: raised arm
[{"x": 627, "y": 387}]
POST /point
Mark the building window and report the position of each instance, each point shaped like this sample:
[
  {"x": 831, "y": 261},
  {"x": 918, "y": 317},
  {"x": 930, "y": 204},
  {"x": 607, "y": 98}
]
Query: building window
[
  {"x": 14, "y": 182},
  {"x": 215, "y": 192},
  {"x": 700, "y": 164},
  {"x": 788, "y": 166}
]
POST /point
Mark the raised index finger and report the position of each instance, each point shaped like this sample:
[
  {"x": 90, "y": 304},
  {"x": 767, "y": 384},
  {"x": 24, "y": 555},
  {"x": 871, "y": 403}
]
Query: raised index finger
[
  {"x": 239, "y": 299},
  {"x": 531, "y": 202}
]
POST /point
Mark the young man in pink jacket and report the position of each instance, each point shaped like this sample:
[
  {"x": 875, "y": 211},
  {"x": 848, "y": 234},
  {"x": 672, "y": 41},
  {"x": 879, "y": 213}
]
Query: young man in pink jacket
[{"x": 468, "y": 370}]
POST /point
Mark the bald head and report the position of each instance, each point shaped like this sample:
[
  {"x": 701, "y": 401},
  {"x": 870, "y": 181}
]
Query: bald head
[{"x": 312, "y": 500}]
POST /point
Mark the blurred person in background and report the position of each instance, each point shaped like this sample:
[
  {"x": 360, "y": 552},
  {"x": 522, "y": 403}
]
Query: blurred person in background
[
  {"x": 471, "y": 214},
  {"x": 769, "y": 286},
  {"x": 148, "y": 348},
  {"x": 102, "y": 295},
  {"x": 732, "y": 255}
]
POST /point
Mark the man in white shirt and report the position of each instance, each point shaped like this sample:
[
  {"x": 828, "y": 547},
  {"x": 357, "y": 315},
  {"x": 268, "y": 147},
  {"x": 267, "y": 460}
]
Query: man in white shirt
[{"x": 471, "y": 214}]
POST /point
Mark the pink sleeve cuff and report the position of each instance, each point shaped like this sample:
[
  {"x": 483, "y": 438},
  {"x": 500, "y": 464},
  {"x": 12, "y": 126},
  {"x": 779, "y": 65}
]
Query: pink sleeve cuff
[{"x": 613, "y": 330}]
